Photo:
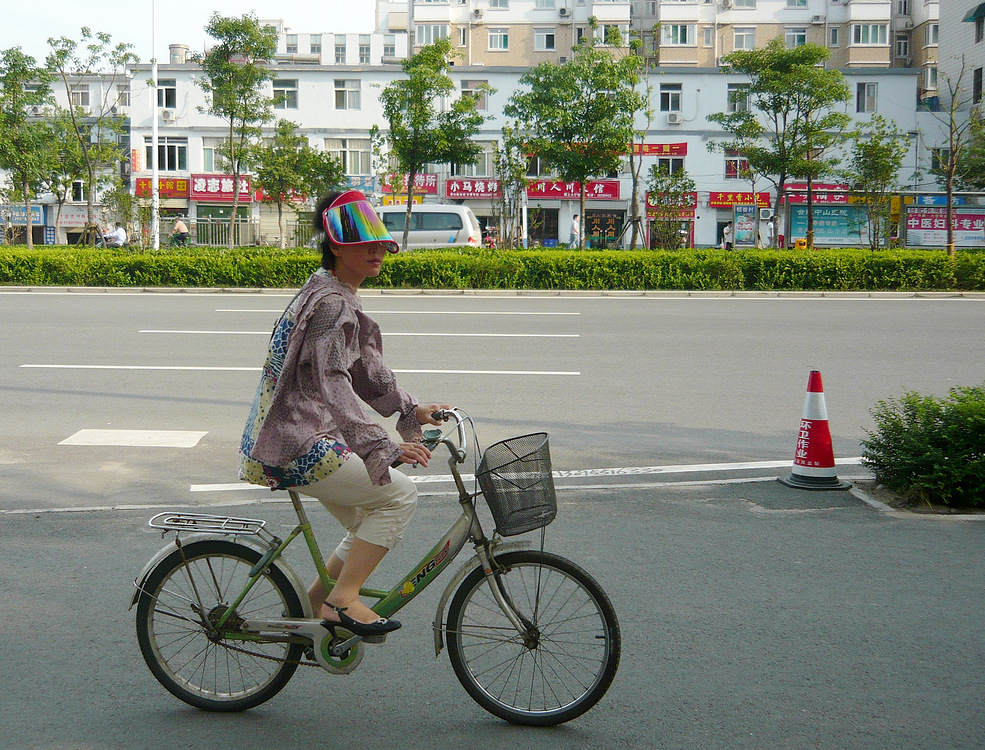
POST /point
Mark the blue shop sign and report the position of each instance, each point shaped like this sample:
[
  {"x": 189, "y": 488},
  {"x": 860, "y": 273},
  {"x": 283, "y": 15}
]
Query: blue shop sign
[
  {"x": 939, "y": 200},
  {"x": 18, "y": 215}
]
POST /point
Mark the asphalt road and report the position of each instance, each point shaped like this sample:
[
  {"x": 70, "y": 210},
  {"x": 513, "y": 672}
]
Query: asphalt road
[{"x": 753, "y": 616}]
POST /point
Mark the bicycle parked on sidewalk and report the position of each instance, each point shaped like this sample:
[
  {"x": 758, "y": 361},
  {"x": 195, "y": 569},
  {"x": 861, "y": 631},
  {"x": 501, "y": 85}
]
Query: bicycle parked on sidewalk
[{"x": 223, "y": 621}]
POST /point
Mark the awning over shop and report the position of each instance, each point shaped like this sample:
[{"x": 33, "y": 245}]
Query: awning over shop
[{"x": 977, "y": 14}]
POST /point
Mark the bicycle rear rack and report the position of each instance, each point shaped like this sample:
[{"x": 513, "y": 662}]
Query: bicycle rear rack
[{"x": 206, "y": 523}]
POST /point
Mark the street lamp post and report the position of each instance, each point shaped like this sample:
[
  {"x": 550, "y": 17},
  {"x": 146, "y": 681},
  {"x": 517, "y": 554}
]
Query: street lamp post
[{"x": 155, "y": 220}]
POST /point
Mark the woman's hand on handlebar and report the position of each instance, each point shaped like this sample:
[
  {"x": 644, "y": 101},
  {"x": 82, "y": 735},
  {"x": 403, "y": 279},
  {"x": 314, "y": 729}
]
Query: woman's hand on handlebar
[
  {"x": 425, "y": 413},
  {"x": 414, "y": 453}
]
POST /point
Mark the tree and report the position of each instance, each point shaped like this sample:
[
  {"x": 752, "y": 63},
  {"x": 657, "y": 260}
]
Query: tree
[
  {"x": 636, "y": 65},
  {"x": 878, "y": 150},
  {"x": 234, "y": 74},
  {"x": 671, "y": 194},
  {"x": 959, "y": 128},
  {"x": 578, "y": 116},
  {"x": 789, "y": 126},
  {"x": 24, "y": 140},
  {"x": 511, "y": 166},
  {"x": 287, "y": 169},
  {"x": 418, "y": 133},
  {"x": 95, "y": 127}
]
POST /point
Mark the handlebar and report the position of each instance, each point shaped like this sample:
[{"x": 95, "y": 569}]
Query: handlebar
[{"x": 433, "y": 438}]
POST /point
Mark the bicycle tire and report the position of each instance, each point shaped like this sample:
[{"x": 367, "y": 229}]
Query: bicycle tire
[
  {"x": 572, "y": 658},
  {"x": 202, "y": 670}
]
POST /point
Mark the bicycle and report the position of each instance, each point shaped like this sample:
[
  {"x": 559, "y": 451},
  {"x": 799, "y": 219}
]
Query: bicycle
[{"x": 223, "y": 623}]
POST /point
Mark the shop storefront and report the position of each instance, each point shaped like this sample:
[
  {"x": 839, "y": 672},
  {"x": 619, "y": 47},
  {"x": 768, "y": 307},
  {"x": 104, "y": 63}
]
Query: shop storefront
[{"x": 602, "y": 225}]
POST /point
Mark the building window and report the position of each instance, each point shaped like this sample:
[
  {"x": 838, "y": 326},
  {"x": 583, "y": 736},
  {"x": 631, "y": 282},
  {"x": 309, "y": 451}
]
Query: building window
[
  {"x": 430, "y": 33},
  {"x": 902, "y": 7},
  {"x": 670, "y": 97},
  {"x": 499, "y": 39},
  {"x": 834, "y": 37},
  {"x": 930, "y": 77},
  {"x": 315, "y": 44},
  {"x": 738, "y": 97},
  {"x": 670, "y": 164},
  {"x": 285, "y": 94},
  {"x": 499, "y": 3},
  {"x": 167, "y": 93},
  {"x": 389, "y": 45},
  {"x": 340, "y": 52},
  {"x": 364, "y": 50},
  {"x": 865, "y": 97},
  {"x": 976, "y": 86},
  {"x": 474, "y": 89},
  {"x": 939, "y": 158},
  {"x": 736, "y": 166},
  {"x": 356, "y": 154},
  {"x": 346, "y": 94},
  {"x": 680, "y": 34},
  {"x": 123, "y": 95},
  {"x": 292, "y": 44},
  {"x": 979, "y": 29},
  {"x": 463, "y": 36},
  {"x": 484, "y": 165},
  {"x": 546, "y": 4},
  {"x": 210, "y": 154},
  {"x": 795, "y": 36},
  {"x": 796, "y": 3},
  {"x": 651, "y": 7},
  {"x": 744, "y": 4},
  {"x": 172, "y": 154},
  {"x": 708, "y": 32},
  {"x": 537, "y": 166},
  {"x": 745, "y": 37},
  {"x": 902, "y": 45},
  {"x": 869, "y": 33},
  {"x": 543, "y": 40}
]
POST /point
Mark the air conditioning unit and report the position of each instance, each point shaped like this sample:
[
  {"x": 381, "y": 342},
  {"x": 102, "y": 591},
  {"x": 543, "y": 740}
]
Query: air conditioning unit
[
  {"x": 37, "y": 111},
  {"x": 817, "y": 19},
  {"x": 674, "y": 118},
  {"x": 726, "y": 4},
  {"x": 564, "y": 12},
  {"x": 477, "y": 12},
  {"x": 765, "y": 214},
  {"x": 167, "y": 115},
  {"x": 907, "y": 24}
]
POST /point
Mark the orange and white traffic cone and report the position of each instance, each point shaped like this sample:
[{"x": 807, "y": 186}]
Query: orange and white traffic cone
[{"x": 814, "y": 459}]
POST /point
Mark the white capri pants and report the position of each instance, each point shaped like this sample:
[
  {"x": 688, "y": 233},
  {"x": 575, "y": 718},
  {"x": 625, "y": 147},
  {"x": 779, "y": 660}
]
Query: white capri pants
[{"x": 378, "y": 515}]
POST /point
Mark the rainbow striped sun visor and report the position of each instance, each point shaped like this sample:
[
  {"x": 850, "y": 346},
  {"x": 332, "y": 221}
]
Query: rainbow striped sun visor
[{"x": 351, "y": 220}]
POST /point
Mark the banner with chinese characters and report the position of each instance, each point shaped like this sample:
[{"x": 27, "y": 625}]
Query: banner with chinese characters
[
  {"x": 134, "y": 160},
  {"x": 823, "y": 192},
  {"x": 654, "y": 209},
  {"x": 424, "y": 184},
  {"x": 660, "y": 149},
  {"x": 597, "y": 190},
  {"x": 833, "y": 225},
  {"x": 737, "y": 198},
  {"x": 219, "y": 187},
  {"x": 470, "y": 188},
  {"x": 167, "y": 187},
  {"x": 927, "y": 226}
]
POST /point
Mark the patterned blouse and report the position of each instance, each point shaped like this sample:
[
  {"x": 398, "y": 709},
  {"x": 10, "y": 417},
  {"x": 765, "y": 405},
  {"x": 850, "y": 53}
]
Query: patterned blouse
[{"x": 324, "y": 361}]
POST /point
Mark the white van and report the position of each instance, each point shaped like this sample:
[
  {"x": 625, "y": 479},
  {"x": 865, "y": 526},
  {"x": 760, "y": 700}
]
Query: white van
[{"x": 433, "y": 225}]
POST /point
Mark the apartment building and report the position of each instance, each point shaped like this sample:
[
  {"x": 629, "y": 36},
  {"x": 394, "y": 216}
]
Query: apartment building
[{"x": 962, "y": 35}]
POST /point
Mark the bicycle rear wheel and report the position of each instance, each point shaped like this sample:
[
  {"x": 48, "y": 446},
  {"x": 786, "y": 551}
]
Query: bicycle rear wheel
[
  {"x": 560, "y": 667},
  {"x": 193, "y": 586}
]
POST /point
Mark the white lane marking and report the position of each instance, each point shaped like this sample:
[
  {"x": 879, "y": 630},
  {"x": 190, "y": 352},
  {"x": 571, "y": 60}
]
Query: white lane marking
[
  {"x": 136, "y": 438},
  {"x": 386, "y": 334},
  {"x": 585, "y": 473},
  {"x": 561, "y": 373}
]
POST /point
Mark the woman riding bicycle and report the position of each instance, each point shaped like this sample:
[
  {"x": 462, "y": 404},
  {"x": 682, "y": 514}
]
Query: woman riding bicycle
[{"x": 308, "y": 428}]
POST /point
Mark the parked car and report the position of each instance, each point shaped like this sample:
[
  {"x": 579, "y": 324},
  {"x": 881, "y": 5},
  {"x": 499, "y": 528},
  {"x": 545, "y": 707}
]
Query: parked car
[{"x": 433, "y": 225}]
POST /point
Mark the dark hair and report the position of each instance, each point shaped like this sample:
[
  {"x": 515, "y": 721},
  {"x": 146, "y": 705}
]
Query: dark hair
[{"x": 326, "y": 245}]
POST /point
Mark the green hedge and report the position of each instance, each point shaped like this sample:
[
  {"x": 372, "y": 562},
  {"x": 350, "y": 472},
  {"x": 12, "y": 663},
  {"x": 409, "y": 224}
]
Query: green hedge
[
  {"x": 930, "y": 449},
  {"x": 819, "y": 269}
]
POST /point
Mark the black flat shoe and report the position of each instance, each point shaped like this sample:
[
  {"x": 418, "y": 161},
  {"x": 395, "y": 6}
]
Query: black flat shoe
[{"x": 364, "y": 629}]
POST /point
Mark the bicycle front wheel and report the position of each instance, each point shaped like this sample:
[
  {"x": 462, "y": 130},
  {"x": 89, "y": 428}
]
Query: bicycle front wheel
[
  {"x": 178, "y": 606},
  {"x": 560, "y": 666}
]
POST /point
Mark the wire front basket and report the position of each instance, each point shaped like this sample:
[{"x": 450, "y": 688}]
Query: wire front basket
[{"x": 515, "y": 478}]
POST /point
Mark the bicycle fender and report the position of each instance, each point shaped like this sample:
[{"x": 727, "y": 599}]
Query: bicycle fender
[
  {"x": 468, "y": 567},
  {"x": 281, "y": 564}
]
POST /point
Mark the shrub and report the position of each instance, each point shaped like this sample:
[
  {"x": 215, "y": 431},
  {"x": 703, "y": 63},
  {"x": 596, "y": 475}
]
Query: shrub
[{"x": 931, "y": 449}]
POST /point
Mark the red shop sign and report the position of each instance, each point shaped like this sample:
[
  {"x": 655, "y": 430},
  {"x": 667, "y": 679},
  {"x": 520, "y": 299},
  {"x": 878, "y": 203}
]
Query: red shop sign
[
  {"x": 426, "y": 184},
  {"x": 660, "y": 149},
  {"x": 596, "y": 190},
  {"x": 737, "y": 198},
  {"x": 465, "y": 188},
  {"x": 219, "y": 187},
  {"x": 167, "y": 187}
]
